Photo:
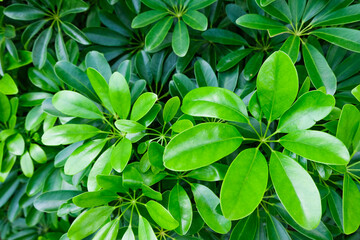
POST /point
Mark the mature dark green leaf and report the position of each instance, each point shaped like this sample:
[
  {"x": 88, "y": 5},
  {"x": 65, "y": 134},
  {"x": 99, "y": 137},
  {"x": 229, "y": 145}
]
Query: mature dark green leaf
[
  {"x": 255, "y": 21},
  {"x": 195, "y": 20},
  {"x": 23, "y": 12},
  {"x": 291, "y": 47},
  {"x": 51, "y": 201},
  {"x": 40, "y": 48}
]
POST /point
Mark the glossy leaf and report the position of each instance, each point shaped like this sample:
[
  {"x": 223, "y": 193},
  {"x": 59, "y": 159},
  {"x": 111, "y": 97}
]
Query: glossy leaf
[
  {"x": 317, "y": 146},
  {"x": 180, "y": 39},
  {"x": 121, "y": 155},
  {"x": 296, "y": 190},
  {"x": 158, "y": 33},
  {"x": 143, "y": 105},
  {"x": 145, "y": 230},
  {"x": 211, "y": 142},
  {"x": 119, "y": 94},
  {"x": 215, "y": 102},
  {"x": 244, "y": 184},
  {"x": 277, "y": 85},
  {"x": 161, "y": 215},
  {"x": 351, "y": 195},
  {"x": 306, "y": 111}
]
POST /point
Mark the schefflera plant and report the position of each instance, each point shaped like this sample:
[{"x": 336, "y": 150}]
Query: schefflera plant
[
  {"x": 283, "y": 133},
  {"x": 164, "y": 13}
]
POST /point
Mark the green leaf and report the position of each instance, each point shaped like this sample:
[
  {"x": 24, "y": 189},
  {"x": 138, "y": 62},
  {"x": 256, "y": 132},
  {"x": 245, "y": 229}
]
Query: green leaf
[
  {"x": 16, "y": 144},
  {"x": 129, "y": 126},
  {"x": 245, "y": 228},
  {"x": 318, "y": 69},
  {"x": 97, "y": 61},
  {"x": 204, "y": 74},
  {"x": 83, "y": 156},
  {"x": 37, "y": 181},
  {"x": 129, "y": 234},
  {"x": 145, "y": 230},
  {"x": 278, "y": 9},
  {"x": 342, "y": 37},
  {"x": 215, "y": 102},
  {"x": 74, "y": 6},
  {"x": 155, "y": 4},
  {"x": 249, "y": 173},
  {"x": 76, "y": 105},
  {"x": 27, "y": 165},
  {"x": 101, "y": 87},
  {"x": 180, "y": 208},
  {"x": 341, "y": 16},
  {"x": 109, "y": 231},
  {"x": 69, "y": 133},
  {"x": 143, "y": 105},
  {"x": 161, "y": 216},
  {"x": 306, "y": 111},
  {"x": 39, "y": 50},
  {"x": 211, "y": 173},
  {"x": 158, "y": 33},
  {"x": 231, "y": 59},
  {"x": 277, "y": 85},
  {"x": 5, "y": 108},
  {"x": 111, "y": 182},
  {"x": 170, "y": 109},
  {"x": 23, "y": 12},
  {"x": 146, "y": 18},
  {"x": 319, "y": 233},
  {"x": 75, "y": 33},
  {"x": 74, "y": 77},
  {"x": 351, "y": 211},
  {"x": 199, "y": 4},
  {"x": 275, "y": 230},
  {"x": 52, "y": 200},
  {"x": 101, "y": 166},
  {"x": 253, "y": 65},
  {"x": 313, "y": 7},
  {"x": 316, "y": 146},
  {"x": 210, "y": 142},
  {"x": 180, "y": 39},
  {"x": 296, "y": 190},
  {"x": 121, "y": 155},
  {"x": 7, "y": 85},
  {"x": 195, "y": 20},
  {"x": 94, "y": 199},
  {"x": 291, "y": 47},
  {"x": 37, "y": 153},
  {"x": 119, "y": 94},
  {"x": 207, "y": 203},
  {"x": 34, "y": 118},
  {"x": 255, "y": 21},
  {"x": 132, "y": 178},
  {"x": 223, "y": 36},
  {"x": 88, "y": 222},
  {"x": 60, "y": 47},
  {"x": 297, "y": 8},
  {"x": 156, "y": 152},
  {"x": 356, "y": 92},
  {"x": 348, "y": 124}
]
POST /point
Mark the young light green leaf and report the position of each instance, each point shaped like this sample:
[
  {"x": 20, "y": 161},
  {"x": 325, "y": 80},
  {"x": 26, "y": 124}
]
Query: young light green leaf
[
  {"x": 316, "y": 146},
  {"x": 143, "y": 105},
  {"x": 296, "y": 190},
  {"x": 37, "y": 153},
  {"x": 94, "y": 199},
  {"x": 195, "y": 5},
  {"x": 277, "y": 85},
  {"x": 145, "y": 230},
  {"x": 215, "y": 102},
  {"x": 129, "y": 126},
  {"x": 161, "y": 215},
  {"x": 101, "y": 166},
  {"x": 100, "y": 86},
  {"x": 119, "y": 94},
  {"x": 244, "y": 184},
  {"x": 7, "y": 85},
  {"x": 180, "y": 208},
  {"x": 27, "y": 165},
  {"x": 180, "y": 39},
  {"x": 69, "y": 133},
  {"x": 211, "y": 142},
  {"x": 348, "y": 124},
  {"x": 83, "y": 156},
  {"x": 207, "y": 203},
  {"x": 170, "y": 109},
  {"x": 89, "y": 221},
  {"x": 307, "y": 110},
  {"x": 121, "y": 155},
  {"x": 146, "y": 18},
  {"x": 350, "y": 210}
]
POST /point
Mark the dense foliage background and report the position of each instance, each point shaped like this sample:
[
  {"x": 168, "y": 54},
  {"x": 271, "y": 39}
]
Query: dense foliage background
[{"x": 179, "y": 119}]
